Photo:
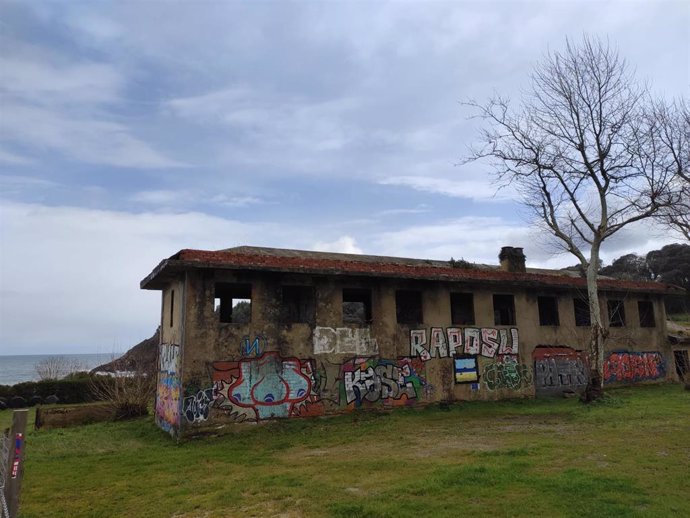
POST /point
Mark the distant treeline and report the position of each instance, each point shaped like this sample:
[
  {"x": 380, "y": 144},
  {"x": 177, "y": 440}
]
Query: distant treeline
[{"x": 671, "y": 265}]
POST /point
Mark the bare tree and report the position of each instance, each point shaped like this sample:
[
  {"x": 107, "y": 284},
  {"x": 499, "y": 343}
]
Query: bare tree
[
  {"x": 584, "y": 151},
  {"x": 673, "y": 122},
  {"x": 57, "y": 367}
]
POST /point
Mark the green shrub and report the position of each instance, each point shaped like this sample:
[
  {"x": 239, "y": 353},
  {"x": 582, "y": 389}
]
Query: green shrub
[{"x": 77, "y": 389}]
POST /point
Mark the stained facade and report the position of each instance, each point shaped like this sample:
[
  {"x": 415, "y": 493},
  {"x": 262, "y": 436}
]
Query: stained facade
[{"x": 249, "y": 334}]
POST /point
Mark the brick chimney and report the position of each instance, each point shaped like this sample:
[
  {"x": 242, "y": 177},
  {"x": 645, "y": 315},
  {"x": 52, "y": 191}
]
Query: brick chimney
[{"x": 512, "y": 259}]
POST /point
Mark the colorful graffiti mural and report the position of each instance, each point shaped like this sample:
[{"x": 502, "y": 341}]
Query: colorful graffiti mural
[
  {"x": 265, "y": 387},
  {"x": 344, "y": 340},
  {"x": 487, "y": 341},
  {"x": 466, "y": 370},
  {"x": 167, "y": 411},
  {"x": 622, "y": 367},
  {"x": 373, "y": 380},
  {"x": 507, "y": 373},
  {"x": 558, "y": 370}
]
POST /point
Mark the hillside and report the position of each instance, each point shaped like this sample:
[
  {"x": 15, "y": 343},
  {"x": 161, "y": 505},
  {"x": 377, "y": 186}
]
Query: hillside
[{"x": 140, "y": 357}]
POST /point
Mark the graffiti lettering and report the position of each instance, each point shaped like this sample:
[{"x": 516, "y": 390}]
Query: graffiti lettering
[
  {"x": 417, "y": 343},
  {"x": 631, "y": 367},
  {"x": 266, "y": 387},
  {"x": 508, "y": 374},
  {"x": 486, "y": 341},
  {"x": 393, "y": 382},
  {"x": 252, "y": 348},
  {"x": 344, "y": 340},
  {"x": 559, "y": 369},
  {"x": 198, "y": 406},
  {"x": 168, "y": 359}
]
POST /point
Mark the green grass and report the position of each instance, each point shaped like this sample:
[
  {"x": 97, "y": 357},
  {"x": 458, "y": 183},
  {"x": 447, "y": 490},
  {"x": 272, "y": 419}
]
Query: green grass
[
  {"x": 626, "y": 456},
  {"x": 680, "y": 318}
]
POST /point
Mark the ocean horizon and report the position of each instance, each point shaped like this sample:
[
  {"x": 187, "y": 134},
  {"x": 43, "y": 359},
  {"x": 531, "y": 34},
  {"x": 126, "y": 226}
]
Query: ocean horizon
[{"x": 22, "y": 367}]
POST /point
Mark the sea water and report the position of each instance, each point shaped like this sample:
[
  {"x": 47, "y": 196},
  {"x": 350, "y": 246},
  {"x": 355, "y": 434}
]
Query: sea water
[{"x": 16, "y": 369}]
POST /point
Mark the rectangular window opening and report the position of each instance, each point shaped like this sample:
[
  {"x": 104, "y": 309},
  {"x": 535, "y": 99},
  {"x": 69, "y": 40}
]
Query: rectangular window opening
[
  {"x": 646, "y": 310},
  {"x": 504, "y": 310},
  {"x": 408, "y": 307},
  {"x": 297, "y": 304},
  {"x": 356, "y": 306},
  {"x": 548, "y": 311},
  {"x": 462, "y": 309},
  {"x": 682, "y": 363},
  {"x": 582, "y": 316},
  {"x": 616, "y": 313},
  {"x": 172, "y": 306},
  {"x": 233, "y": 303}
]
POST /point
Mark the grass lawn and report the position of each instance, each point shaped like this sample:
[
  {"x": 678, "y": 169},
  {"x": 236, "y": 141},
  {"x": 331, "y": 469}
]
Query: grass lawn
[
  {"x": 627, "y": 456},
  {"x": 680, "y": 318}
]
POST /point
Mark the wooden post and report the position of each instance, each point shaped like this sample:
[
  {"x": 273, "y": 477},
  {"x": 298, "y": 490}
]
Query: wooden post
[{"x": 15, "y": 461}]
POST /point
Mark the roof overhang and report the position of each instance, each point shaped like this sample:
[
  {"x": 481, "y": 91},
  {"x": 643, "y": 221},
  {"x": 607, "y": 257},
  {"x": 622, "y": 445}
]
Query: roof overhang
[{"x": 185, "y": 260}]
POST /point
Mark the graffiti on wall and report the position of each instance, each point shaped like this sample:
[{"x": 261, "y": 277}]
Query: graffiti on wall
[
  {"x": 168, "y": 387},
  {"x": 372, "y": 380},
  {"x": 633, "y": 366},
  {"x": 454, "y": 341},
  {"x": 559, "y": 369},
  {"x": 344, "y": 340},
  {"x": 265, "y": 387},
  {"x": 253, "y": 347},
  {"x": 466, "y": 369},
  {"x": 197, "y": 407},
  {"x": 507, "y": 373}
]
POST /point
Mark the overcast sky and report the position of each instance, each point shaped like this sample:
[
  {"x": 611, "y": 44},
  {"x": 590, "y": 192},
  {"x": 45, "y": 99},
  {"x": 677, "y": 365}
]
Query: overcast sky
[{"x": 130, "y": 130}]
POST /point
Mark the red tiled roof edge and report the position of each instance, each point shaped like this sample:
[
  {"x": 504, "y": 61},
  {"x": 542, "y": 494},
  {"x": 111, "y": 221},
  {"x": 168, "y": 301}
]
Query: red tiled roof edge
[{"x": 206, "y": 258}]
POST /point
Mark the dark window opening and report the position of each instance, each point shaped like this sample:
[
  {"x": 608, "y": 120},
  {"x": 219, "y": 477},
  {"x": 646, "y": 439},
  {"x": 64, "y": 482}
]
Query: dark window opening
[
  {"x": 548, "y": 311},
  {"x": 297, "y": 304},
  {"x": 172, "y": 306},
  {"x": 646, "y": 310},
  {"x": 408, "y": 307},
  {"x": 616, "y": 313},
  {"x": 682, "y": 363},
  {"x": 356, "y": 306},
  {"x": 582, "y": 316},
  {"x": 504, "y": 310},
  {"x": 233, "y": 303},
  {"x": 462, "y": 309}
]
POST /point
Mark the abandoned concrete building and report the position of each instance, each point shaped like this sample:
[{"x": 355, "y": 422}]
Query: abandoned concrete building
[{"x": 250, "y": 333}]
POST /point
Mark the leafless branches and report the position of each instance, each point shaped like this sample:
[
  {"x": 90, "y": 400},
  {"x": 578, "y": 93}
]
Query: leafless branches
[
  {"x": 589, "y": 151},
  {"x": 57, "y": 367},
  {"x": 129, "y": 393},
  {"x": 673, "y": 124}
]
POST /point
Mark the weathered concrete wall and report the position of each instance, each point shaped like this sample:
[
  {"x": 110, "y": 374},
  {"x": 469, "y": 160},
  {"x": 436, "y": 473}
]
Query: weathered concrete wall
[
  {"x": 266, "y": 368},
  {"x": 169, "y": 383}
]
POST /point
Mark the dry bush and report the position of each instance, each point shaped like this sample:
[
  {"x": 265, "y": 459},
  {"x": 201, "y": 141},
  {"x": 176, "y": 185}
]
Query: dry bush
[
  {"x": 57, "y": 367},
  {"x": 130, "y": 392}
]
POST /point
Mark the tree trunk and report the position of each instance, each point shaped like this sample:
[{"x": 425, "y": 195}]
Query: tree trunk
[{"x": 595, "y": 387}]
